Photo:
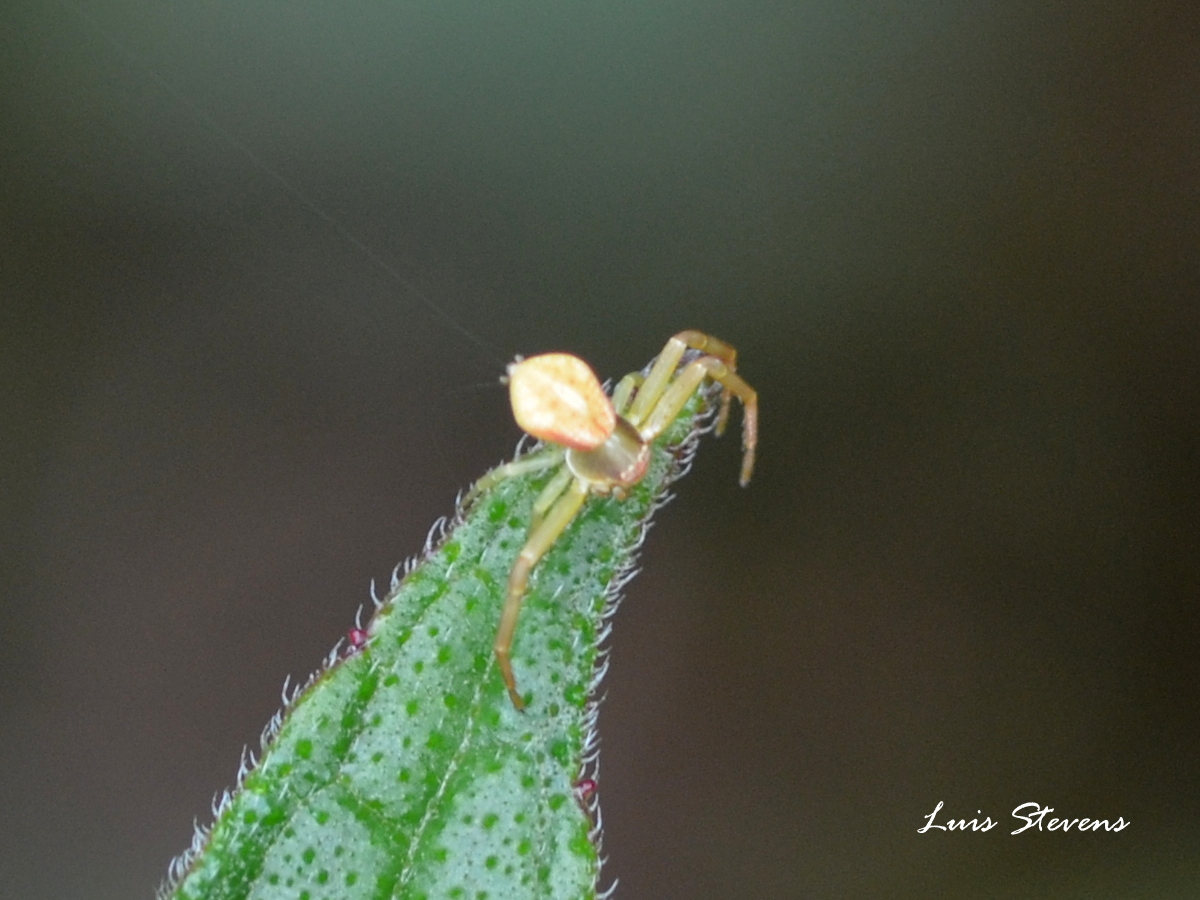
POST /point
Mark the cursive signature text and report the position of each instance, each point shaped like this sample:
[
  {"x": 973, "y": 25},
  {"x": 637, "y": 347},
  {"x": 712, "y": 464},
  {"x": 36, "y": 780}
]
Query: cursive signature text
[{"x": 1033, "y": 815}]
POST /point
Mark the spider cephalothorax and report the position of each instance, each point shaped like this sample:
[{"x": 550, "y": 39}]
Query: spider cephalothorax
[{"x": 604, "y": 443}]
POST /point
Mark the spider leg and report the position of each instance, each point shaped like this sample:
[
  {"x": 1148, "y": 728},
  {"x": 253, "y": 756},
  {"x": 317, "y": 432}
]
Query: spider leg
[
  {"x": 666, "y": 364},
  {"x": 671, "y": 401},
  {"x": 624, "y": 390},
  {"x": 541, "y": 539},
  {"x": 549, "y": 494},
  {"x": 509, "y": 470}
]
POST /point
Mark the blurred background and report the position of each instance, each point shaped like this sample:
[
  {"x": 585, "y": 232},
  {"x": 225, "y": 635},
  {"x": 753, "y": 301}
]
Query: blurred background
[{"x": 954, "y": 243}]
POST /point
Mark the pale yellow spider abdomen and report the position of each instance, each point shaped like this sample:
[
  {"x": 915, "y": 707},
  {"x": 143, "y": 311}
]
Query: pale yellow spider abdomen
[{"x": 556, "y": 397}]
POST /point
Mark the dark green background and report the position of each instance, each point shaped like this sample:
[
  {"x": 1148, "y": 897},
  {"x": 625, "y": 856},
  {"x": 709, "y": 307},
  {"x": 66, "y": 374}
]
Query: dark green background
[{"x": 955, "y": 243}]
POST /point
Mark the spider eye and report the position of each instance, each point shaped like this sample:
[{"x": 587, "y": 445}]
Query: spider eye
[{"x": 556, "y": 397}]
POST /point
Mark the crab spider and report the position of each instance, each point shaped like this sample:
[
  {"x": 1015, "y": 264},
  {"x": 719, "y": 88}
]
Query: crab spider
[{"x": 603, "y": 444}]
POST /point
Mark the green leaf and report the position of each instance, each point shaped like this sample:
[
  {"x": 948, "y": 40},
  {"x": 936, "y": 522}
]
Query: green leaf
[{"x": 402, "y": 770}]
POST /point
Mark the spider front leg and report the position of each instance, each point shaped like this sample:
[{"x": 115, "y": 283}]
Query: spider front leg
[
  {"x": 541, "y": 539},
  {"x": 667, "y": 362},
  {"x": 624, "y": 391},
  {"x": 671, "y": 400}
]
